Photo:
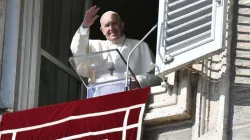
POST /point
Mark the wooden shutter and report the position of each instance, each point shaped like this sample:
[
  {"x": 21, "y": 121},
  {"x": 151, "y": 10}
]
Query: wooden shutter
[{"x": 188, "y": 30}]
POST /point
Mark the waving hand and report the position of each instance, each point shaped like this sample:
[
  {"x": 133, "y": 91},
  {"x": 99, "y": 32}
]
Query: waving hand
[{"x": 90, "y": 16}]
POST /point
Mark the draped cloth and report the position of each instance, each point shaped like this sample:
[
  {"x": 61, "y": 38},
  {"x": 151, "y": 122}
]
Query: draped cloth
[{"x": 111, "y": 117}]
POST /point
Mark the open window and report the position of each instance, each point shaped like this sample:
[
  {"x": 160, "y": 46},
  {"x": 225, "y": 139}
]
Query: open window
[
  {"x": 188, "y": 30},
  {"x": 139, "y": 17}
]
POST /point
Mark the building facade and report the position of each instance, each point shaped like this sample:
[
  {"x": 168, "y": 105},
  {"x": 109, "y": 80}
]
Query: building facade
[{"x": 206, "y": 99}]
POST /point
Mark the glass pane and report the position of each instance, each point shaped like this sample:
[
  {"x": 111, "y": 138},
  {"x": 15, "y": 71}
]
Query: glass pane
[
  {"x": 100, "y": 67},
  {"x": 56, "y": 86},
  {"x": 61, "y": 19},
  {"x": 106, "y": 72}
]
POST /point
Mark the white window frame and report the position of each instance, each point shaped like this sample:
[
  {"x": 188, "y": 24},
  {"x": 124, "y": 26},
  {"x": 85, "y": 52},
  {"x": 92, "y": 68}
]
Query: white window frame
[
  {"x": 201, "y": 50},
  {"x": 30, "y": 55},
  {"x": 172, "y": 103},
  {"x": 10, "y": 47},
  {"x": 31, "y": 52}
]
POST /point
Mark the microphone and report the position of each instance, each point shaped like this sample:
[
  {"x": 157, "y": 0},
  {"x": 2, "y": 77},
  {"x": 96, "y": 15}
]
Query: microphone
[{"x": 126, "y": 84}]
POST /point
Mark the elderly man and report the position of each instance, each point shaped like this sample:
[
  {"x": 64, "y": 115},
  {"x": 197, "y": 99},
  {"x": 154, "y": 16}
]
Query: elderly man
[{"x": 112, "y": 28}]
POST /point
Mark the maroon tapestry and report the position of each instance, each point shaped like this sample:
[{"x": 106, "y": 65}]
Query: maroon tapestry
[{"x": 112, "y": 117}]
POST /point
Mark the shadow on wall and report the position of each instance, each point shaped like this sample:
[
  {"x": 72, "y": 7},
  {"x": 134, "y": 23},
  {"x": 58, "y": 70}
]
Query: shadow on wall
[
  {"x": 239, "y": 107},
  {"x": 241, "y": 56}
]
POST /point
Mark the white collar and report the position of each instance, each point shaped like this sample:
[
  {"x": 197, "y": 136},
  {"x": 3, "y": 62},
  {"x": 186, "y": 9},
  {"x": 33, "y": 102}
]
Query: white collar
[{"x": 120, "y": 41}]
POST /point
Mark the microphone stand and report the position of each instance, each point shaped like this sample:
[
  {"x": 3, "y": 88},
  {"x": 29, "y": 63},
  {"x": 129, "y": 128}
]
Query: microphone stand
[{"x": 126, "y": 84}]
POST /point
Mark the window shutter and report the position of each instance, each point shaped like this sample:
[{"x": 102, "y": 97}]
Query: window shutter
[{"x": 188, "y": 30}]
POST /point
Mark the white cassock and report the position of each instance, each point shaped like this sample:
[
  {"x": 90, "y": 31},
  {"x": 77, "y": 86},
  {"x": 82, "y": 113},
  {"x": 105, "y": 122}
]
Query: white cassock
[{"x": 139, "y": 62}]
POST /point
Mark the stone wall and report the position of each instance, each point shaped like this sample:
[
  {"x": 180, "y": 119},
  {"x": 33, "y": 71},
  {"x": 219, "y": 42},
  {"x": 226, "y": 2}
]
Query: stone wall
[
  {"x": 239, "y": 119},
  {"x": 175, "y": 131},
  {"x": 210, "y": 98}
]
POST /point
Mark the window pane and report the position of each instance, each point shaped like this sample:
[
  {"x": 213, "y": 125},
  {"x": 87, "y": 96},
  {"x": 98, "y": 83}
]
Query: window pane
[
  {"x": 56, "y": 86},
  {"x": 61, "y": 19}
]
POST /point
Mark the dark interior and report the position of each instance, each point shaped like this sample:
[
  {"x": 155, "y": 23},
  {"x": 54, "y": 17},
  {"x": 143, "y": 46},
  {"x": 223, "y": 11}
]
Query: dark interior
[
  {"x": 62, "y": 18},
  {"x": 139, "y": 17}
]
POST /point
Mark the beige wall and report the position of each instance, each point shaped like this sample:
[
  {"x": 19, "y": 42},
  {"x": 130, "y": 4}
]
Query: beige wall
[
  {"x": 239, "y": 118},
  {"x": 226, "y": 82},
  {"x": 210, "y": 99}
]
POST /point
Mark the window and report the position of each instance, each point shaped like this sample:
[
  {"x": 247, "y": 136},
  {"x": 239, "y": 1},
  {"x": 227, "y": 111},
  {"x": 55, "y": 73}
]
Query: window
[
  {"x": 58, "y": 81},
  {"x": 188, "y": 31}
]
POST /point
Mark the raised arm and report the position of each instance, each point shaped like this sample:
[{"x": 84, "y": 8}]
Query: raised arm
[{"x": 80, "y": 41}]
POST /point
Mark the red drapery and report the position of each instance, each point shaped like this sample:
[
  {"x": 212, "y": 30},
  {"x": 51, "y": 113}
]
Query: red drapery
[{"x": 112, "y": 117}]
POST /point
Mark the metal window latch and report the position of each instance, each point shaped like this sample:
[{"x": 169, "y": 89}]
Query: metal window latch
[
  {"x": 219, "y": 2},
  {"x": 166, "y": 85},
  {"x": 168, "y": 58},
  {"x": 156, "y": 66},
  {"x": 164, "y": 82}
]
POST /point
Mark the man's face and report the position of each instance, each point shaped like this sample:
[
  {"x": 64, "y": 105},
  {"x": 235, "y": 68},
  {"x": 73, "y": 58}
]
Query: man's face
[{"x": 111, "y": 26}]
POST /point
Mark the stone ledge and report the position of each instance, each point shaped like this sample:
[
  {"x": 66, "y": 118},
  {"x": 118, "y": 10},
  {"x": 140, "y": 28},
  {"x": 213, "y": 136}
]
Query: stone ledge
[{"x": 167, "y": 104}]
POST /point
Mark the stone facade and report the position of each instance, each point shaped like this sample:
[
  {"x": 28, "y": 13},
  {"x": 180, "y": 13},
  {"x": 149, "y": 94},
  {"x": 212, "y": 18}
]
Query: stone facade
[
  {"x": 239, "y": 118},
  {"x": 210, "y": 82},
  {"x": 222, "y": 107}
]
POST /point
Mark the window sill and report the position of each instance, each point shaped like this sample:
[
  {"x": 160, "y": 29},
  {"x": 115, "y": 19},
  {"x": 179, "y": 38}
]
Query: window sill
[{"x": 172, "y": 103}]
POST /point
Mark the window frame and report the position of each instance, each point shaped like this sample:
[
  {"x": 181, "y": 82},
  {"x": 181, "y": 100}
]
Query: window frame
[
  {"x": 209, "y": 47},
  {"x": 30, "y": 55}
]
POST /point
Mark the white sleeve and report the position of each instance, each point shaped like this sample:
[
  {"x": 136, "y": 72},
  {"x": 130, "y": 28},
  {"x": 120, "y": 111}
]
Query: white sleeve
[
  {"x": 80, "y": 41},
  {"x": 146, "y": 58},
  {"x": 148, "y": 80}
]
